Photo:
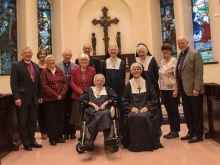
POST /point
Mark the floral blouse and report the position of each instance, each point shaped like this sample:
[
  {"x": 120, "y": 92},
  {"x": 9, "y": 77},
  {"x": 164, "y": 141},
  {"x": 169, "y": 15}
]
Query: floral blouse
[{"x": 167, "y": 77}]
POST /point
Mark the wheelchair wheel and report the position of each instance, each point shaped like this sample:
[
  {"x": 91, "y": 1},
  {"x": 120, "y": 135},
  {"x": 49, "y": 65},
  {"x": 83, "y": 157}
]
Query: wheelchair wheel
[
  {"x": 79, "y": 148},
  {"x": 116, "y": 146}
]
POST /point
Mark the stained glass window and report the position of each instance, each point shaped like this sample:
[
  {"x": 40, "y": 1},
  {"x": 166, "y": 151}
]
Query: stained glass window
[
  {"x": 201, "y": 29},
  {"x": 8, "y": 35},
  {"x": 168, "y": 24},
  {"x": 44, "y": 25}
]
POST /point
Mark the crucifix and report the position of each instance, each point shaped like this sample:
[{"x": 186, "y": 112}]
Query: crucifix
[
  {"x": 139, "y": 88},
  {"x": 105, "y": 21},
  {"x": 67, "y": 76}
]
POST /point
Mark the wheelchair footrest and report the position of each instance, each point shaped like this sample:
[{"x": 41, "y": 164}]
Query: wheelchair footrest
[{"x": 110, "y": 141}]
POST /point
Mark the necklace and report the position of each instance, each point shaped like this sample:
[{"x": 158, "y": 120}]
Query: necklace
[
  {"x": 67, "y": 75},
  {"x": 113, "y": 62},
  {"x": 97, "y": 92},
  {"x": 138, "y": 82}
]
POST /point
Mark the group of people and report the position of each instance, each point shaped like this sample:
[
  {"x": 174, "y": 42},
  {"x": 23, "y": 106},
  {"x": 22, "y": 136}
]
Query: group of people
[{"x": 52, "y": 93}]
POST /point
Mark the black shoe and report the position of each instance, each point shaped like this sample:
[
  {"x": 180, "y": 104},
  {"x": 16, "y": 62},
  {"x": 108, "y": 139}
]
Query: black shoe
[
  {"x": 88, "y": 143},
  {"x": 165, "y": 136},
  {"x": 187, "y": 137},
  {"x": 53, "y": 143},
  {"x": 35, "y": 145},
  {"x": 195, "y": 139},
  {"x": 72, "y": 136},
  {"x": 110, "y": 141},
  {"x": 65, "y": 136},
  {"x": 61, "y": 141},
  {"x": 172, "y": 135},
  {"x": 80, "y": 138},
  {"x": 27, "y": 148}
]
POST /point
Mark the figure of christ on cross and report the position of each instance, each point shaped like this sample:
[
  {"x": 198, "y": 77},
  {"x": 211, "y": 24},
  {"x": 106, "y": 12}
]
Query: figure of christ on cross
[
  {"x": 139, "y": 88},
  {"x": 105, "y": 21}
]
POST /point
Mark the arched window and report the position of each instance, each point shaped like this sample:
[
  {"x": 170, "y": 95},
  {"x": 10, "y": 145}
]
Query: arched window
[
  {"x": 168, "y": 24},
  {"x": 44, "y": 25},
  {"x": 8, "y": 35},
  {"x": 201, "y": 29}
]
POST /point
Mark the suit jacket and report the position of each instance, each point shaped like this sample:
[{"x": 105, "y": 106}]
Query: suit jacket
[
  {"x": 77, "y": 83},
  {"x": 22, "y": 85},
  {"x": 61, "y": 66},
  {"x": 192, "y": 72},
  {"x": 94, "y": 62}
]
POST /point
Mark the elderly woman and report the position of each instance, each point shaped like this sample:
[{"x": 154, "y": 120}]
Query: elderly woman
[
  {"x": 41, "y": 55},
  {"x": 142, "y": 121},
  {"x": 97, "y": 114},
  {"x": 169, "y": 92},
  {"x": 54, "y": 87},
  {"x": 114, "y": 72},
  {"x": 81, "y": 79}
]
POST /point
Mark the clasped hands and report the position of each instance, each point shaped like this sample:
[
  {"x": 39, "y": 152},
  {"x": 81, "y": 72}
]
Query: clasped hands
[
  {"x": 97, "y": 108},
  {"x": 135, "y": 110}
]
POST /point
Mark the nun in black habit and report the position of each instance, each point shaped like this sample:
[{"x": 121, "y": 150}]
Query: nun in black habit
[
  {"x": 142, "y": 116},
  {"x": 98, "y": 100}
]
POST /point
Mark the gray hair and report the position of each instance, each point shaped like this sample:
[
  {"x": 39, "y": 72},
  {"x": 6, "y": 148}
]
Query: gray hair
[
  {"x": 66, "y": 51},
  {"x": 24, "y": 48},
  {"x": 48, "y": 57},
  {"x": 136, "y": 65},
  {"x": 99, "y": 74},
  {"x": 112, "y": 46},
  {"x": 81, "y": 56}
]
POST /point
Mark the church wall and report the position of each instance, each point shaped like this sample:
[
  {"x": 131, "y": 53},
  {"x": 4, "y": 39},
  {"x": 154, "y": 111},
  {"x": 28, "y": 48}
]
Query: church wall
[{"x": 139, "y": 22}]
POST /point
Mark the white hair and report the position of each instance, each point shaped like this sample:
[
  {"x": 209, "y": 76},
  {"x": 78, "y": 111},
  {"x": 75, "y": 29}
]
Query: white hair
[
  {"x": 99, "y": 74},
  {"x": 66, "y": 51},
  {"x": 136, "y": 65},
  {"x": 48, "y": 57},
  {"x": 81, "y": 56}
]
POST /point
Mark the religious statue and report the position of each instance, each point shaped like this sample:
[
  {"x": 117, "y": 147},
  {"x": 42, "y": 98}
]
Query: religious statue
[
  {"x": 118, "y": 41},
  {"x": 94, "y": 43}
]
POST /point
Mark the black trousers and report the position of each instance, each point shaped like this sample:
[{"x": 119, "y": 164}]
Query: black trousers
[
  {"x": 27, "y": 122},
  {"x": 68, "y": 128},
  {"x": 41, "y": 118},
  {"x": 54, "y": 114},
  {"x": 193, "y": 112},
  {"x": 171, "y": 105}
]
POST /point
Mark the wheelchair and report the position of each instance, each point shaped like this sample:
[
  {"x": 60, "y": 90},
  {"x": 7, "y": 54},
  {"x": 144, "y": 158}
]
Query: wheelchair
[{"x": 81, "y": 146}]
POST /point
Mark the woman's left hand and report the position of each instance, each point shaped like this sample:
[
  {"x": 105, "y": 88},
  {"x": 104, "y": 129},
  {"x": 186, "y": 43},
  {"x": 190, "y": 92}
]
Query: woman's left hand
[
  {"x": 144, "y": 109},
  {"x": 103, "y": 105}
]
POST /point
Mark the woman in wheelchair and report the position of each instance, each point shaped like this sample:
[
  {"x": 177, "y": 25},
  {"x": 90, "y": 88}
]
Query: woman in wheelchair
[
  {"x": 98, "y": 100},
  {"x": 142, "y": 117}
]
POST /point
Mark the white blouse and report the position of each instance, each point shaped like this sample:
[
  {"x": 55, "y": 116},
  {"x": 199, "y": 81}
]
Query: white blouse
[{"x": 167, "y": 74}]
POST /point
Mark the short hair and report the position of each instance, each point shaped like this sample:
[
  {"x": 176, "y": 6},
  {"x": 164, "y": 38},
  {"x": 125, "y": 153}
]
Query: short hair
[
  {"x": 136, "y": 65},
  {"x": 112, "y": 46},
  {"x": 81, "y": 56},
  {"x": 142, "y": 46},
  {"x": 99, "y": 74},
  {"x": 87, "y": 44},
  {"x": 49, "y": 56},
  {"x": 66, "y": 51},
  {"x": 166, "y": 46},
  {"x": 39, "y": 52},
  {"x": 26, "y": 47}
]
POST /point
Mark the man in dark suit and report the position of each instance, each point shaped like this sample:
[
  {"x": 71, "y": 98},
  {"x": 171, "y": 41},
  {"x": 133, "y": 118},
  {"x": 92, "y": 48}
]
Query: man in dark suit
[
  {"x": 94, "y": 62},
  {"x": 25, "y": 86},
  {"x": 189, "y": 74},
  {"x": 66, "y": 66}
]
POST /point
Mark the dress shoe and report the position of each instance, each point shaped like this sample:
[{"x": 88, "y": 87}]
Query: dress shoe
[
  {"x": 61, "y": 141},
  {"x": 43, "y": 136},
  {"x": 27, "y": 148},
  {"x": 53, "y": 143},
  {"x": 195, "y": 139},
  {"x": 72, "y": 136},
  {"x": 65, "y": 136},
  {"x": 172, "y": 135},
  {"x": 110, "y": 141},
  {"x": 187, "y": 137},
  {"x": 35, "y": 145},
  {"x": 165, "y": 136},
  {"x": 80, "y": 138}
]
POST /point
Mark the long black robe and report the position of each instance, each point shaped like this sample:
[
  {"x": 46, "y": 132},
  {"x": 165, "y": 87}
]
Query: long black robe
[
  {"x": 97, "y": 120},
  {"x": 141, "y": 129}
]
